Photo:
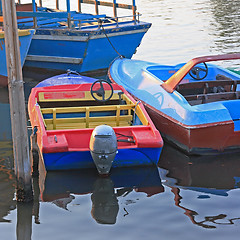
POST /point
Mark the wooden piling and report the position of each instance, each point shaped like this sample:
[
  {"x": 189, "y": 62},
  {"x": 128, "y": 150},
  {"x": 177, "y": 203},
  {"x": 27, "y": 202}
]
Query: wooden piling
[
  {"x": 115, "y": 8},
  {"x": 57, "y": 4},
  {"x": 79, "y": 6},
  {"x": 17, "y": 104},
  {"x": 96, "y": 7},
  {"x": 24, "y": 221}
]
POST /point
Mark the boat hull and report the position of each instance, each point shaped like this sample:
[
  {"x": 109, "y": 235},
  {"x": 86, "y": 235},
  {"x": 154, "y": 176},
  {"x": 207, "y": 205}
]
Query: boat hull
[
  {"x": 25, "y": 38},
  {"x": 82, "y": 159},
  {"x": 89, "y": 51},
  {"x": 199, "y": 139}
]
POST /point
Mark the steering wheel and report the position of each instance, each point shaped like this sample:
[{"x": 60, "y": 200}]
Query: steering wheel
[
  {"x": 195, "y": 72},
  {"x": 99, "y": 93}
]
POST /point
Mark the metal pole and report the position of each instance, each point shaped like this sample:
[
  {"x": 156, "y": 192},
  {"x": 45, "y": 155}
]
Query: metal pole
[
  {"x": 17, "y": 104},
  {"x": 68, "y": 6}
]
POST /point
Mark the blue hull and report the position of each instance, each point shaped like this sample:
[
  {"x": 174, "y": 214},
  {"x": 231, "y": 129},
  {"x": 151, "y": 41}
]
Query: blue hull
[
  {"x": 84, "y": 51},
  {"x": 79, "y": 160},
  {"x": 25, "y": 42}
]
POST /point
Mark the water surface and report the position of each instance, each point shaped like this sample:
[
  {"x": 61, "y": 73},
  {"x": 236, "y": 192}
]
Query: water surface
[{"x": 184, "y": 198}]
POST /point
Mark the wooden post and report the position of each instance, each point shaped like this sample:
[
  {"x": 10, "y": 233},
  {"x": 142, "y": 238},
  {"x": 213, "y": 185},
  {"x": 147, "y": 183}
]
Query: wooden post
[
  {"x": 134, "y": 9},
  {"x": 114, "y": 8},
  {"x": 24, "y": 221},
  {"x": 96, "y": 7},
  {"x": 17, "y": 104},
  {"x": 34, "y": 10},
  {"x": 57, "y": 4},
  {"x": 69, "y": 13},
  {"x": 79, "y": 6},
  {"x": 40, "y": 3}
]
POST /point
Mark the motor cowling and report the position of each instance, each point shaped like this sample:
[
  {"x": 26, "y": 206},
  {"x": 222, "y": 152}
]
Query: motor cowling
[{"x": 103, "y": 148}]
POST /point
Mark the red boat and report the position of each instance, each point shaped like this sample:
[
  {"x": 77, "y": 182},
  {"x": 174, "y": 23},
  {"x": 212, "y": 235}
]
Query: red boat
[{"x": 67, "y": 118}]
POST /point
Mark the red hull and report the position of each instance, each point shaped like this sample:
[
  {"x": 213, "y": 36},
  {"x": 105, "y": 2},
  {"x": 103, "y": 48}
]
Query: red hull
[
  {"x": 200, "y": 139},
  {"x": 3, "y": 81}
]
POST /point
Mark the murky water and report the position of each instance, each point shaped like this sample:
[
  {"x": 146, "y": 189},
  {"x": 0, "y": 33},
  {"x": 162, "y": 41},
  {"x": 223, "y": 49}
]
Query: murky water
[{"x": 185, "y": 198}]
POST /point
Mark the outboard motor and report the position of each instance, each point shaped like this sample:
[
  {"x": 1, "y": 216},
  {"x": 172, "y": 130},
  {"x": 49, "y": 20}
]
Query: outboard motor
[{"x": 103, "y": 148}]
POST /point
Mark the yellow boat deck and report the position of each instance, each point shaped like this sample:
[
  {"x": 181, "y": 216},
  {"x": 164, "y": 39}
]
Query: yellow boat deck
[{"x": 59, "y": 113}]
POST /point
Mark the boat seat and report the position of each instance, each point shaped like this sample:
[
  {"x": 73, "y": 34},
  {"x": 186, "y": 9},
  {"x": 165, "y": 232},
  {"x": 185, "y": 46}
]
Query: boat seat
[
  {"x": 209, "y": 91},
  {"x": 88, "y": 117},
  {"x": 206, "y": 85},
  {"x": 212, "y": 97}
]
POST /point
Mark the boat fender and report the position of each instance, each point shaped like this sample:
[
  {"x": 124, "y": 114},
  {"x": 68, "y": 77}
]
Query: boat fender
[{"x": 103, "y": 148}]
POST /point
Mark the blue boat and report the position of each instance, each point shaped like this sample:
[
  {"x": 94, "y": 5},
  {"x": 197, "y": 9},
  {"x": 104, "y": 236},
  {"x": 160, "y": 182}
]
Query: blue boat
[
  {"x": 25, "y": 37},
  {"x": 195, "y": 105},
  {"x": 79, "y": 41}
]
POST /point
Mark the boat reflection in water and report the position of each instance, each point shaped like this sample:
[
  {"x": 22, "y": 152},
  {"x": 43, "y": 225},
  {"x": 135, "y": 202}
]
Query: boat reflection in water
[
  {"x": 7, "y": 181},
  {"x": 61, "y": 187},
  {"x": 209, "y": 177},
  {"x": 5, "y": 129},
  {"x": 104, "y": 201}
]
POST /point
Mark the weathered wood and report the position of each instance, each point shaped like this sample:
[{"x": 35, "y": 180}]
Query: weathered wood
[
  {"x": 134, "y": 8},
  {"x": 57, "y": 4},
  {"x": 96, "y": 7},
  {"x": 24, "y": 221},
  {"x": 109, "y": 4},
  {"x": 79, "y": 6},
  {"x": 17, "y": 104},
  {"x": 114, "y": 8}
]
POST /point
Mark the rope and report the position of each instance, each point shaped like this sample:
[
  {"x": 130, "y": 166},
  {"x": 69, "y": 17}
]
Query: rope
[{"x": 100, "y": 22}]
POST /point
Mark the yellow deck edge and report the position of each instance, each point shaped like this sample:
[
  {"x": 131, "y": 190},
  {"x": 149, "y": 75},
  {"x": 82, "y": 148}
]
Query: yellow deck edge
[{"x": 20, "y": 33}]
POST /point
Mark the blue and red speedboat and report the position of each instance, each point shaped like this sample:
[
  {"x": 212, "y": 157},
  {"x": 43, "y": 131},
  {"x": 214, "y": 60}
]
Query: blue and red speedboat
[
  {"x": 195, "y": 106},
  {"x": 67, "y": 119}
]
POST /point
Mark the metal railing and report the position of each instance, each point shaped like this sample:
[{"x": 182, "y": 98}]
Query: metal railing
[{"x": 68, "y": 16}]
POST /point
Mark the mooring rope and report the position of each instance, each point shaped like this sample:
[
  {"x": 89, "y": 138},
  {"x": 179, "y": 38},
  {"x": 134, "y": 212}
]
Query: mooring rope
[{"x": 100, "y": 22}]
